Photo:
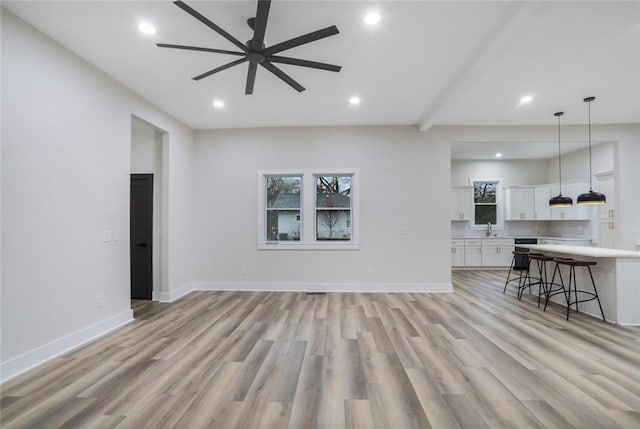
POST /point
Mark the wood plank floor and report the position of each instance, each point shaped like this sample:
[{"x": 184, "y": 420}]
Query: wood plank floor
[{"x": 474, "y": 358}]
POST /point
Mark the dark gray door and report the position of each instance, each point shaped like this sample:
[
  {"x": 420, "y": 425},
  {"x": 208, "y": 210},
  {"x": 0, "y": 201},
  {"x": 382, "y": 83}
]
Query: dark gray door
[{"x": 141, "y": 230}]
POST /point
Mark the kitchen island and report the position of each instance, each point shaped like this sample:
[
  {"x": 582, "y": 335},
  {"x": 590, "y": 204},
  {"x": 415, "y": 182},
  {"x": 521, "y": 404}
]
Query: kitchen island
[{"x": 617, "y": 277}]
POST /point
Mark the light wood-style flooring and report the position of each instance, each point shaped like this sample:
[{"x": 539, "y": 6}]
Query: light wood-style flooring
[{"x": 474, "y": 358}]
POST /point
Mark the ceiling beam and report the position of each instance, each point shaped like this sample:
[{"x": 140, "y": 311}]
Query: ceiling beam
[{"x": 486, "y": 51}]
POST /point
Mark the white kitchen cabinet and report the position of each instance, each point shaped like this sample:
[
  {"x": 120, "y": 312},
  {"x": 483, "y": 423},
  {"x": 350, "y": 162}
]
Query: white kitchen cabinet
[
  {"x": 574, "y": 212},
  {"x": 541, "y": 197},
  {"x": 461, "y": 203},
  {"x": 519, "y": 202},
  {"x": 457, "y": 253},
  {"x": 607, "y": 228},
  {"x": 473, "y": 253},
  {"x": 497, "y": 252}
]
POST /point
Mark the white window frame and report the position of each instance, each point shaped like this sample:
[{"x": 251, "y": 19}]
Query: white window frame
[
  {"x": 308, "y": 211},
  {"x": 499, "y": 204}
]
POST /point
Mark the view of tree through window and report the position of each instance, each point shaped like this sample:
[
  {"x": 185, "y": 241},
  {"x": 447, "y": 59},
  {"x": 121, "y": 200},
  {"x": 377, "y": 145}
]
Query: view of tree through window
[
  {"x": 333, "y": 207},
  {"x": 283, "y": 208},
  {"x": 485, "y": 202}
]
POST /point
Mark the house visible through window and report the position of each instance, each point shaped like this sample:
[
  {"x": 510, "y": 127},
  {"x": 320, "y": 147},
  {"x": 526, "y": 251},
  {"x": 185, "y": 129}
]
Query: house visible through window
[
  {"x": 485, "y": 202},
  {"x": 283, "y": 208},
  {"x": 308, "y": 209},
  {"x": 333, "y": 208}
]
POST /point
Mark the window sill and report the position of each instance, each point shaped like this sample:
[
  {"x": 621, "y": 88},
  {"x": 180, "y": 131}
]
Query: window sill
[{"x": 308, "y": 246}]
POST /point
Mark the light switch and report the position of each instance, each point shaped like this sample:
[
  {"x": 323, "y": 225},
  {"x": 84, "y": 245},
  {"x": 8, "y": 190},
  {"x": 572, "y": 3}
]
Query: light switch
[
  {"x": 115, "y": 235},
  {"x": 106, "y": 236}
]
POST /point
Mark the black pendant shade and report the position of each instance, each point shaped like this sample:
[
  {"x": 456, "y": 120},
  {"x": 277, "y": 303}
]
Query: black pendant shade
[
  {"x": 560, "y": 200},
  {"x": 591, "y": 197}
]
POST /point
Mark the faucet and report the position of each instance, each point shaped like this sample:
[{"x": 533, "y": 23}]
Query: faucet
[{"x": 489, "y": 230}]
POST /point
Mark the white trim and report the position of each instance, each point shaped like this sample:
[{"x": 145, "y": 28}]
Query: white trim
[
  {"x": 173, "y": 294},
  {"x": 40, "y": 355},
  {"x": 348, "y": 245},
  {"x": 325, "y": 287}
]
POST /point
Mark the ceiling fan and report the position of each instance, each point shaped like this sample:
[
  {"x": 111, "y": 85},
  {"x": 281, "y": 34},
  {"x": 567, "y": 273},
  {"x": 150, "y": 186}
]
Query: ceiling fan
[{"x": 254, "y": 51}]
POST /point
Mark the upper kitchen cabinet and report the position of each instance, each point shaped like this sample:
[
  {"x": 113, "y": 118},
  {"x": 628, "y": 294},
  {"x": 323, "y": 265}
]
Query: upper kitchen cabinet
[
  {"x": 519, "y": 203},
  {"x": 461, "y": 203},
  {"x": 541, "y": 197},
  {"x": 607, "y": 229}
]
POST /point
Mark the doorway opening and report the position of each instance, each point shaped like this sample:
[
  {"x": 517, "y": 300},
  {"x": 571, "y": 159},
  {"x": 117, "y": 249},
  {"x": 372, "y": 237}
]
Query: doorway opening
[{"x": 147, "y": 243}]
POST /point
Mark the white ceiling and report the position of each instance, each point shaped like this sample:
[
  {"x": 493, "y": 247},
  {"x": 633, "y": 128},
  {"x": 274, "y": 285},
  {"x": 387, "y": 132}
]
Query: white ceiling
[{"x": 425, "y": 63}]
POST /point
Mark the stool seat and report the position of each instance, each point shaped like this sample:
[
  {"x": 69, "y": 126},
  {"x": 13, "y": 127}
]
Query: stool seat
[
  {"x": 575, "y": 263},
  {"x": 541, "y": 257}
]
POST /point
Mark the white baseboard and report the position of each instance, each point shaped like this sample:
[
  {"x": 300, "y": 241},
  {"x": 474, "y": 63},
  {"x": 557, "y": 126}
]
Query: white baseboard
[
  {"x": 33, "y": 358},
  {"x": 326, "y": 287},
  {"x": 174, "y": 294}
]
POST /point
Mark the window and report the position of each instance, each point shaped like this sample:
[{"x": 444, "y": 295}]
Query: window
[
  {"x": 333, "y": 208},
  {"x": 283, "y": 208},
  {"x": 485, "y": 202},
  {"x": 308, "y": 209}
]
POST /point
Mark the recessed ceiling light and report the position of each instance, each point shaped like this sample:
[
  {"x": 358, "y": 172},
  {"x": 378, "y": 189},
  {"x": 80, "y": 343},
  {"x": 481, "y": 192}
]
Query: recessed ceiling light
[
  {"x": 526, "y": 99},
  {"x": 498, "y": 155},
  {"x": 354, "y": 100},
  {"x": 218, "y": 104},
  {"x": 147, "y": 28},
  {"x": 372, "y": 18}
]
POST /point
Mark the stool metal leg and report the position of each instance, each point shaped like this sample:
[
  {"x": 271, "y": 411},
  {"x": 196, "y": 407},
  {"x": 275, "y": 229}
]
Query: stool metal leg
[
  {"x": 595, "y": 291},
  {"x": 569, "y": 296}
]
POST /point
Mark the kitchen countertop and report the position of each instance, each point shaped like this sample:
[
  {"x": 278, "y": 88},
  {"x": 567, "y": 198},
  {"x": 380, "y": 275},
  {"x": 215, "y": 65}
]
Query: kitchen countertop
[
  {"x": 593, "y": 252},
  {"x": 508, "y": 237}
]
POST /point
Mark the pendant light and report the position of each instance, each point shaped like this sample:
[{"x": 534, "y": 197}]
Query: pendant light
[
  {"x": 560, "y": 200},
  {"x": 591, "y": 197}
]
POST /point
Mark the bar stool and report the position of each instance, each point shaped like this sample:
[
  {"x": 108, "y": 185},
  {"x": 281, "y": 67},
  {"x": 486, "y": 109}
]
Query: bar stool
[
  {"x": 572, "y": 264},
  {"x": 527, "y": 281},
  {"x": 560, "y": 289},
  {"x": 512, "y": 268},
  {"x": 543, "y": 281}
]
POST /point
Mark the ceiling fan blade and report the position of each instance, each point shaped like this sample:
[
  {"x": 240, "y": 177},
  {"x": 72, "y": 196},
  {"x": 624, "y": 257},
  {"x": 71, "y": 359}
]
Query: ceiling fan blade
[
  {"x": 301, "y": 40},
  {"x": 182, "y": 5},
  {"x": 282, "y": 75},
  {"x": 251, "y": 78},
  {"x": 196, "y": 48},
  {"x": 219, "y": 69},
  {"x": 304, "y": 63},
  {"x": 262, "y": 14}
]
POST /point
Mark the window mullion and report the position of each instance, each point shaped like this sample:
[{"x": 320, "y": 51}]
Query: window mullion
[{"x": 308, "y": 208}]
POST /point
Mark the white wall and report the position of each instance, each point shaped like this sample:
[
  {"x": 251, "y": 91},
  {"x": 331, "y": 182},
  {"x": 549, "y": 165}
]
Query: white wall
[
  {"x": 65, "y": 180},
  {"x": 575, "y": 165},
  {"x": 401, "y": 172},
  {"x": 513, "y": 172}
]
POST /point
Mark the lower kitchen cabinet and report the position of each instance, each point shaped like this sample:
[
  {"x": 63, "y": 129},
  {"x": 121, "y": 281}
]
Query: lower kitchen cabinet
[
  {"x": 476, "y": 252},
  {"x": 472, "y": 253},
  {"x": 457, "y": 253},
  {"x": 497, "y": 252}
]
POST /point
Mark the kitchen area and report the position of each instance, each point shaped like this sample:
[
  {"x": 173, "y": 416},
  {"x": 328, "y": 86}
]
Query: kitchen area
[
  {"x": 521, "y": 181},
  {"x": 501, "y": 205}
]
